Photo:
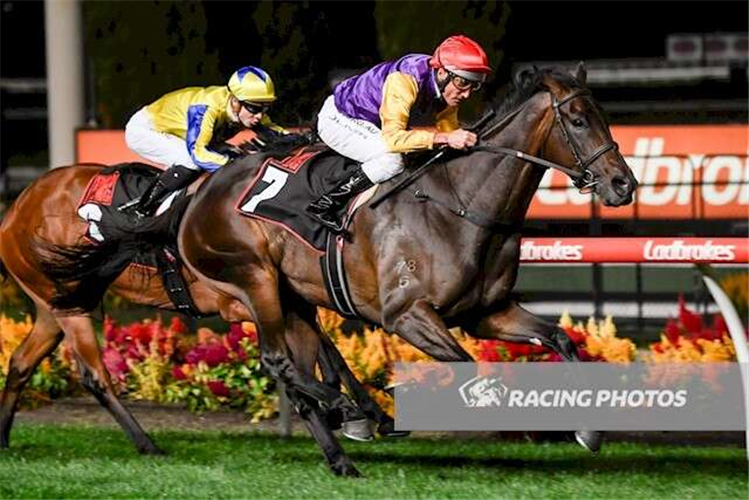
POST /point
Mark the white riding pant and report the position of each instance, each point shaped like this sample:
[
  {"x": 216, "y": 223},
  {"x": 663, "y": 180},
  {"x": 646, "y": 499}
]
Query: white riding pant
[
  {"x": 359, "y": 140},
  {"x": 158, "y": 147}
]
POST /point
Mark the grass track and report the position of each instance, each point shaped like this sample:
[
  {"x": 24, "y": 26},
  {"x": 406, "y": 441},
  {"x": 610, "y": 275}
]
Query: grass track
[{"x": 94, "y": 462}]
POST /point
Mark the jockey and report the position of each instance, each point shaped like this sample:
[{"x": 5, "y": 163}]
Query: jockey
[
  {"x": 183, "y": 128},
  {"x": 368, "y": 117}
]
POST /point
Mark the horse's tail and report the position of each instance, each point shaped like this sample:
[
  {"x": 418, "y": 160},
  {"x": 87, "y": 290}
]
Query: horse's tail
[{"x": 82, "y": 273}]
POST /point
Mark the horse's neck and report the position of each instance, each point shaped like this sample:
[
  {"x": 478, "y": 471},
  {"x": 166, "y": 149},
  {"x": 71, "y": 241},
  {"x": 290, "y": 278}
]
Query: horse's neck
[{"x": 502, "y": 187}]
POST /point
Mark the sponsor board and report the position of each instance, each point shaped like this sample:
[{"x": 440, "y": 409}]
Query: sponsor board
[
  {"x": 685, "y": 171},
  {"x": 633, "y": 250}
]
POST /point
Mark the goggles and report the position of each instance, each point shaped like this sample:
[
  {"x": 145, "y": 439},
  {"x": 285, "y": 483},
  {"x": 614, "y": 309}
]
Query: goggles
[
  {"x": 462, "y": 83},
  {"x": 255, "y": 108}
]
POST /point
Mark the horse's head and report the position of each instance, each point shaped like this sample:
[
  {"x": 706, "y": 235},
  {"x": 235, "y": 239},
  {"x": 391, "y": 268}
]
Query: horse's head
[{"x": 580, "y": 136}]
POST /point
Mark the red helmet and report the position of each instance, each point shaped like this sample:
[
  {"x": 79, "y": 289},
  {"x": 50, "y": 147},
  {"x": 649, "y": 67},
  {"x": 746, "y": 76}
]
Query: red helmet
[{"x": 462, "y": 56}]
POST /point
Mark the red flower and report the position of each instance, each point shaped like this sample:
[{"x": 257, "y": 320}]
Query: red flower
[
  {"x": 177, "y": 373},
  {"x": 177, "y": 326},
  {"x": 216, "y": 354},
  {"x": 489, "y": 351},
  {"x": 672, "y": 331},
  {"x": 691, "y": 322},
  {"x": 218, "y": 388},
  {"x": 516, "y": 350},
  {"x": 575, "y": 335}
]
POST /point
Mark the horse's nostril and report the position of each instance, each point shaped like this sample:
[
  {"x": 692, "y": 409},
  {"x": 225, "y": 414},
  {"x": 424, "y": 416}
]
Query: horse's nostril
[{"x": 621, "y": 185}]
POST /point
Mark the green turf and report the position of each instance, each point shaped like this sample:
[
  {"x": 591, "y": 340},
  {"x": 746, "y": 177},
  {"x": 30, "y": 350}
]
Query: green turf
[{"x": 89, "y": 462}]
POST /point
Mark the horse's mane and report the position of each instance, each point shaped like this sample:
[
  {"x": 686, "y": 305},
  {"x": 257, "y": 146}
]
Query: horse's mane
[{"x": 527, "y": 83}]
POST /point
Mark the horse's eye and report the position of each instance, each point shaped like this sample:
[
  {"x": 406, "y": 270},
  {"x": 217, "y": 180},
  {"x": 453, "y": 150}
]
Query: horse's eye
[{"x": 578, "y": 122}]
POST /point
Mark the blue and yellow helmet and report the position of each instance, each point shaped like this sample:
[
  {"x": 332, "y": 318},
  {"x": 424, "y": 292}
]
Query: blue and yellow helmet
[{"x": 252, "y": 84}]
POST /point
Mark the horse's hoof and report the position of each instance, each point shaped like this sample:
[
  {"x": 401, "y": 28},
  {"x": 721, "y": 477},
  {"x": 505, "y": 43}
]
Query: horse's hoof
[
  {"x": 387, "y": 429},
  {"x": 358, "y": 430},
  {"x": 345, "y": 468},
  {"x": 590, "y": 440}
]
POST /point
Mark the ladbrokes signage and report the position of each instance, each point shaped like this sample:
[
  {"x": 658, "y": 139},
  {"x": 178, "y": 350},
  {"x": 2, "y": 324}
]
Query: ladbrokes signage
[
  {"x": 667, "y": 250},
  {"x": 667, "y": 160}
]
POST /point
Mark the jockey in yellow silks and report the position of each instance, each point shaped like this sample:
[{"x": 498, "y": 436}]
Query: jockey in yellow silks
[
  {"x": 181, "y": 129},
  {"x": 369, "y": 116}
]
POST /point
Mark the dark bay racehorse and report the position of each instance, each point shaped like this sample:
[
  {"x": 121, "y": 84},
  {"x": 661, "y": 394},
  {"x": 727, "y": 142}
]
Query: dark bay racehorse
[{"x": 444, "y": 252}]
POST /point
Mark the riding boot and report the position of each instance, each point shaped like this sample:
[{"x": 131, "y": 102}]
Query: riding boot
[
  {"x": 174, "y": 178},
  {"x": 325, "y": 209}
]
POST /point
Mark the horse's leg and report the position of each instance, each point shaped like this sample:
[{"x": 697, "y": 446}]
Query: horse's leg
[
  {"x": 422, "y": 327},
  {"x": 95, "y": 378},
  {"x": 335, "y": 362},
  {"x": 303, "y": 342},
  {"x": 45, "y": 335},
  {"x": 330, "y": 371},
  {"x": 512, "y": 323},
  {"x": 261, "y": 283}
]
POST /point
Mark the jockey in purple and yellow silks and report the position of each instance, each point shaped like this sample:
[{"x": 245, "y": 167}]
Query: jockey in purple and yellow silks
[
  {"x": 369, "y": 116},
  {"x": 181, "y": 129}
]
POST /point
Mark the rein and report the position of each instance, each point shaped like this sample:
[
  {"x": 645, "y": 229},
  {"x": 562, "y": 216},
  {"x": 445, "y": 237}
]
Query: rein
[{"x": 582, "y": 177}]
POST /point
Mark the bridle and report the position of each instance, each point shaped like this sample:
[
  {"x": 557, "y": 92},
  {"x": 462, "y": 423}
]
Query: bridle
[{"x": 582, "y": 177}]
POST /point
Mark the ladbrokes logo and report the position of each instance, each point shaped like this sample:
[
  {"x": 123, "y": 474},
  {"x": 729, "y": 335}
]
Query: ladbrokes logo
[
  {"x": 483, "y": 392},
  {"x": 556, "y": 251},
  {"x": 678, "y": 250}
]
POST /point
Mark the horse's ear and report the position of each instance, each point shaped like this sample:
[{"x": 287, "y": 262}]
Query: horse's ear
[
  {"x": 582, "y": 73},
  {"x": 523, "y": 76}
]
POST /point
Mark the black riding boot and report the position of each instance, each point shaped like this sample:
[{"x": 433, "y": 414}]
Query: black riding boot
[
  {"x": 325, "y": 209},
  {"x": 174, "y": 178}
]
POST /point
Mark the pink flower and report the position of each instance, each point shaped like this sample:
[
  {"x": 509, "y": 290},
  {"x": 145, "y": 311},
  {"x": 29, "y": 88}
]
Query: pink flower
[
  {"x": 218, "y": 388},
  {"x": 115, "y": 363},
  {"x": 196, "y": 354}
]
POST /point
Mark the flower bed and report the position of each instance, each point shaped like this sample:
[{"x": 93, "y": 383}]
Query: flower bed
[{"x": 164, "y": 363}]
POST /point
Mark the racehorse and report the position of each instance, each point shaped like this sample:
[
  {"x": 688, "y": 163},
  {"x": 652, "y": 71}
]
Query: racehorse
[
  {"x": 43, "y": 218},
  {"x": 419, "y": 263},
  {"x": 444, "y": 252}
]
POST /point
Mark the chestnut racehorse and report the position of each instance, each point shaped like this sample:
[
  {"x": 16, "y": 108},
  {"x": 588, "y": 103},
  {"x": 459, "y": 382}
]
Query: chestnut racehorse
[{"x": 43, "y": 219}]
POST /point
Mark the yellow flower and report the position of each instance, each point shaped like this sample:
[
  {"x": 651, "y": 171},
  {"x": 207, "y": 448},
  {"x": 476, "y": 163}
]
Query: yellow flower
[{"x": 565, "y": 320}]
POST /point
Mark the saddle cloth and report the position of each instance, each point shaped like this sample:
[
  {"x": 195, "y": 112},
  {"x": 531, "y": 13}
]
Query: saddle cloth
[
  {"x": 110, "y": 189},
  {"x": 283, "y": 188}
]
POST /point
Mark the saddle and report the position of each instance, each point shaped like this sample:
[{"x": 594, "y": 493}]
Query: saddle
[
  {"x": 283, "y": 188},
  {"x": 117, "y": 185}
]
